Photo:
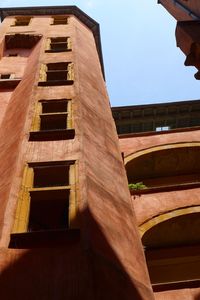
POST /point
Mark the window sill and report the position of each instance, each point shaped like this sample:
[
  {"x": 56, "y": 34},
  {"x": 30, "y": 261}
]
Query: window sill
[
  {"x": 59, "y": 24},
  {"x": 44, "y": 239},
  {"x": 167, "y": 188},
  {"x": 60, "y": 50},
  {"x": 187, "y": 284},
  {"x": 55, "y": 82},
  {"x": 52, "y": 135},
  {"x": 9, "y": 83}
]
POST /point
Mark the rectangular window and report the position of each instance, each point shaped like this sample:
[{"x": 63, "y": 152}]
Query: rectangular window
[
  {"x": 5, "y": 76},
  {"x": 60, "y": 20},
  {"x": 55, "y": 106},
  {"x": 47, "y": 197},
  {"x": 22, "y": 21},
  {"x": 58, "y": 44},
  {"x": 53, "y": 120},
  {"x": 56, "y": 74},
  {"x": 48, "y": 210},
  {"x": 50, "y": 175},
  {"x": 8, "y": 81}
]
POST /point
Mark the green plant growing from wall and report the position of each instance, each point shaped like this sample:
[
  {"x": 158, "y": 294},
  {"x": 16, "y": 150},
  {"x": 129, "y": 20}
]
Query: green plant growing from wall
[{"x": 137, "y": 186}]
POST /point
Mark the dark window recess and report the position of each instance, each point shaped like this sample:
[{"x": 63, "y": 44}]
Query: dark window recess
[
  {"x": 5, "y": 76},
  {"x": 57, "y": 66},
  {"x": 53, "y": 122},
  {"x": 60, "y": 20},
  {"x": 57, "y": 74},
  {"x": 58, "y": 44},
  {"x": 12, "y": 54},
  {"x": 22, "y": 21},
  {"x": 8, "y": 81},
  {"x": 48, "y": 210},
  {"x": 54, "y": 106},
  {"x": 51, "y": 175}
]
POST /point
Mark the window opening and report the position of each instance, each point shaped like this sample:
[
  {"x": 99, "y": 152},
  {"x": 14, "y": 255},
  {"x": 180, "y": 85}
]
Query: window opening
[
  {"x": 60, "y": 20},
  {"x": 50, "y": 175},
  {"x": 53, "y": 120},
  {"x": 46, "y": 197},
  {"x": 5, "y": 76},
  {"x": 48, "y": 210},
  {"x": 58, "y": 44},
  {"x": 56, "y": 74},
  {"x": 54, "y": 106},
  {"x": 22, "y": 21},
  {"x": 53, "y": 115}
]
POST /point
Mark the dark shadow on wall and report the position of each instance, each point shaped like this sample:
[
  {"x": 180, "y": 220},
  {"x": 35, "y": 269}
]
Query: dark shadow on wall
[{"x": 70, "y": 272}]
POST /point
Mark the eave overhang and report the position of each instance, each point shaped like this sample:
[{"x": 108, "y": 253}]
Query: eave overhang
[
  {"x": 182, "y": 10},
  {"x": 59, "y": 10}
]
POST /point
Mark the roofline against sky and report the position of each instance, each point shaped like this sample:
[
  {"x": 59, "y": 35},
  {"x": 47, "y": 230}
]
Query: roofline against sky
[
  {"x": 59, "y": 10},
  {"x": 186, "y": 102}
]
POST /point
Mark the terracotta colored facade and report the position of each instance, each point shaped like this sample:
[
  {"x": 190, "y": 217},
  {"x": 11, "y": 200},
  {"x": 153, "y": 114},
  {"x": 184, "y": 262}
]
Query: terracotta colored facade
[
  {"x": 168, "y": 208},
  {"x": 160, "y": 146},
  {"x": 67, "y": 226}
]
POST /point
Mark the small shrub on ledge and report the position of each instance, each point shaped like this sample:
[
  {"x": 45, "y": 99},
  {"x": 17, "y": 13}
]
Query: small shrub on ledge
[{"x": 137, "y": 186}]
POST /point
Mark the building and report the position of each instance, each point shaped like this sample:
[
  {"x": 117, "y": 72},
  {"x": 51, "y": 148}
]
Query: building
[
  {"x": 157, "y": 117},
  {"x": 68, "y": 226},
  {"x": 160, "y": 146}
]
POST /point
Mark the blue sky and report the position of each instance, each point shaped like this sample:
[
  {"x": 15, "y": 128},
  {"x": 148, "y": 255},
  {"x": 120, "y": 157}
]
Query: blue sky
[{"x": 141, "y": 60}]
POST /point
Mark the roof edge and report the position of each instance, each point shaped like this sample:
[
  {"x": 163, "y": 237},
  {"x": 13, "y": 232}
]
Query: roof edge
[
  {"x": 57, "y": 10},
  {"x": 149, "y": 105}
]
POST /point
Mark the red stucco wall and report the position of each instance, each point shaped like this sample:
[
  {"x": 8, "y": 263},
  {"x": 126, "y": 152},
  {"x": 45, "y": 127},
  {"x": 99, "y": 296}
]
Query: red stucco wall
[{"x": 108, "y": 262}]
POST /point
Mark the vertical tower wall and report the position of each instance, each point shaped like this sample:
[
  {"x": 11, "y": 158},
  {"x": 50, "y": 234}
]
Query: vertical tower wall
[{"x": 107, "y": 261}]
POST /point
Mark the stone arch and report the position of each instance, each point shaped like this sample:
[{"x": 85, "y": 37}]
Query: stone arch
[
  {"x": 136, "y": 154},
  {"x": 173, "y": 228},
  {"x": 165, "y": 164}
]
